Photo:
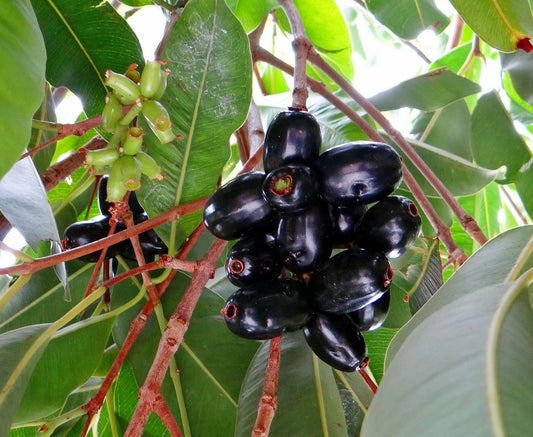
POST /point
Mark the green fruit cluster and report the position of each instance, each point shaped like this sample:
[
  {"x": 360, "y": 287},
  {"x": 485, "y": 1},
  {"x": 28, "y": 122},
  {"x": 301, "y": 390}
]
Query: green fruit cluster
[{"x": 122, "y": 159}]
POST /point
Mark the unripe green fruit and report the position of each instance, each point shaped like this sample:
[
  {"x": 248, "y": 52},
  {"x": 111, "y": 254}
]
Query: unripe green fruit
[
  {"x": 111, "y": 114},
  {"x": 157, "y": 117},
  {"x": 125, "y": 176},
  {"x": 162, "y": 85},
  {"x": 132, "y": 113},
  {"x": 149, "y": 167},
  {"x": 127, "y": 90},
  {"x": 150, "y": 79},
  {"x": 102, "y": 157},
  {"x": 133, "y": 141}
]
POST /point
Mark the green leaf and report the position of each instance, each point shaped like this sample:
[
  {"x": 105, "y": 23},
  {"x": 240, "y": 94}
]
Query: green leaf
[
  {"x": 460, "y": 176},
  {"x": 407, "y": 18},
  {"x": 67, "y": 363},
  {"x": 308, "y": 399},
  {"x": 208, "y": 97},
  {"x": 464, "y": 370},
  {"x": 274, "y": 81},
  {"x": 327, "y": 30},
  {"x": 454, "y": 59},
  {"x": 251, "y": 12},
  {"x": 500, "y": 23},
  {"x": 84, "y": 39},
  {"x": 377, "y": 342},
  {"x": 448, "y": 129},
  {"x": 495, "y": 142},
  {"x": 19, "y": 353},
  {"x": 45, "y": 112},
  {"x": 427, "y": 92},
  {"x": 524, "y": 186},
  {"x": 518, "y": 65},
  {"x": 23, "y": 58},
  {"x": 489, "y": 265}
]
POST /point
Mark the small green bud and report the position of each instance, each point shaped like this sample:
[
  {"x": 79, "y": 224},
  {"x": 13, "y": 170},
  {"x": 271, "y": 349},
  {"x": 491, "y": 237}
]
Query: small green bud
[
  {"x": 149, "y": 167},
  {"x": 150, "y": 79},
  {"x": 162, "y": 85},
  {"x": 127, "y": 90},
  {"x": 101, "y": 157},
  {"x": 133, "y": 141},
  {"x": 111, "y": 113},
  {"x": 125, "y": 176}
]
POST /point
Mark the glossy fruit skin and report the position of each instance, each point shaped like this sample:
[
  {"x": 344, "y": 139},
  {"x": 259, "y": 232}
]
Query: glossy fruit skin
[
  {"x": 373, "y": 315},
  {"x": 390, "y": 226},
  {"x": 104, "y": 205},
  {"x": 267, "y": 309},
  {"x": 350, "y": 280},
  {"x": 150, "y": 242},
  {"x": 357, "y": 173},
  {"x": 292, "y": 137},
  {"x": 345, "y": 221},
  {"x": 302, "y": 190},
  {"x": 253, "y": 259},
  {"x": 238, "y": 208},
  {"x": 304, "y": 238},
  {"x": 334, "y": 338},
  {"x": 85, "y": 232}
]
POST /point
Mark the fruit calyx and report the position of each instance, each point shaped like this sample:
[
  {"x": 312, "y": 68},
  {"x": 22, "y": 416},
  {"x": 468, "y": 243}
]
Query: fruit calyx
[{"x": 281, "y": 185}]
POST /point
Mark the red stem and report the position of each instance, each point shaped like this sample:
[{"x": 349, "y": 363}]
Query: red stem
[
  {"x": 268, "y": 401},
  {"x": 164, "y": 413}
]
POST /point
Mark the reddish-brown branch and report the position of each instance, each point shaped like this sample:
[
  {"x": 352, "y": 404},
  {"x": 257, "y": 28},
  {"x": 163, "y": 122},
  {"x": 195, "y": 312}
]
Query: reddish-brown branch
[
  {"x": 136, "y": 326},
  {"x": 40, "y": 263},
  {"x": 268, "y": 401},
  {"x": 369, "y": 381},
  {"x": 164, "y": 413},
  {"x": 466, "y": 221},
  {"x": 172, "y": 338},
  {"x": 301, "y": 46}
]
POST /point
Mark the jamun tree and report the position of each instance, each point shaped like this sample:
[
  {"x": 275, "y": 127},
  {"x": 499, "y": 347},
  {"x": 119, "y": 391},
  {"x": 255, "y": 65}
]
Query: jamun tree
[{"x": 405, "y": 208}]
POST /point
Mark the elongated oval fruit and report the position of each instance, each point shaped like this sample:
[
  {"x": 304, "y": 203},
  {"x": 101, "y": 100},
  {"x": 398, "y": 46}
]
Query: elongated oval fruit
[
  {"x": 149, "y": 166},
  {"x": 125, "y": 176},
  {"x": 357, "y": 173},
  {"x": 101, "y": 157},
  {"x": 304, "y": 238},
  {"x": 373, "y": 315},
  {"x": 390, "y": 226},
  {"x": 150, "y": 79},
  {"x": 346, "y": 219},
  {"x": 267, "y": 309},
  {"x": 350, "y": 280},
  {"x": 159, "y": 121},
  {"x": 103, "y": 205},
  {"x": 238, "y": 208},
  {"x": 291, "y": 188},
  {"x": 133, "y": 141},
  {"x": 253, "y": 259},
  {"x": 292, "y": 137},
  {"x": 127, "y": 90},
  {"x": 334, "y": 339},
  {"x": 111, "y": 114}
]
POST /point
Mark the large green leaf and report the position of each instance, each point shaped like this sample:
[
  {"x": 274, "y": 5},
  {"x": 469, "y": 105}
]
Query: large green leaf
[
  {"x": 518, "y": 66},
  {"x": 212, "y": 361},
  {"x": 23, "y": 58},
  {"x": 524, "y": 186},
  {"x": 67, "y": 362},
  {"x": 501, "y": 23},
  {"x": 19, "y": 352},
  {"x": 308, "y": 401},
  {"x": 489, "y": 265},
  {"x": 427, "y": 92},
  {"x": 251, "y": 12},
  {"x": 207, "y": 97},
  {"x": 495, "y": 141},
  {"x": 464, "y": 370},
  {"x": 84, "y": 39},
  {"x": 407, "y": 18}
]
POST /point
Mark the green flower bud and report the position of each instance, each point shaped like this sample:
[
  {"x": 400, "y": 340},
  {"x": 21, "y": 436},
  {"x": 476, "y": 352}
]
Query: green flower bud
[
  {"x": 149, "y": 167},
  {"x": 133, "y": 141},
  {"x": 101, "y": 157},
  {"x": 127, "y": 90},
  {"x": 162, "y": 85},
  {"x": 125, "y": 176},
  {"x": 150, "y": 79},
  {"x": 111, "y": 113}
]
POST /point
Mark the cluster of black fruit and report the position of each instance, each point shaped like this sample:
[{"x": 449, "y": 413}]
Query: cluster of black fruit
[
  {"x": 289, "y": 219},
  {"x": 85, "y": 232}
]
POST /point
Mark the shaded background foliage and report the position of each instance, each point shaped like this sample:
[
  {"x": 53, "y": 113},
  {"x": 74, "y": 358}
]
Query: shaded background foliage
[{"x": 468, "y": 112}]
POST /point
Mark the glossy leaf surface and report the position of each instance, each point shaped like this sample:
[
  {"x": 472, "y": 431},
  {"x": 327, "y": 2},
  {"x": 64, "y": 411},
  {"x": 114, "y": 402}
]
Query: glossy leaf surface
[
  {"x": 207, "y": 96},
  {"x": 23, "y": 56}
]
